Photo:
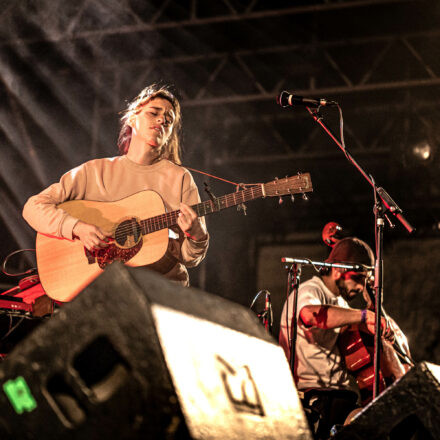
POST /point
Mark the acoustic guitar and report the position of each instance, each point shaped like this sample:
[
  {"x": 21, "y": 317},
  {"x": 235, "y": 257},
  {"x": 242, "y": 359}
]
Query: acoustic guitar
[{"x": 139, "y": 225}]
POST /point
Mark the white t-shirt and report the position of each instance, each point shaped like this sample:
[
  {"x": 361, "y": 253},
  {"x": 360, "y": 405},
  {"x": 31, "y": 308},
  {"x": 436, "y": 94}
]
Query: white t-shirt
[{"x": 318, "y": 362}]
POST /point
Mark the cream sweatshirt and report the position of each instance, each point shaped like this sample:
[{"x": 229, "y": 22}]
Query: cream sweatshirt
[{"x": 112, "y": 179}]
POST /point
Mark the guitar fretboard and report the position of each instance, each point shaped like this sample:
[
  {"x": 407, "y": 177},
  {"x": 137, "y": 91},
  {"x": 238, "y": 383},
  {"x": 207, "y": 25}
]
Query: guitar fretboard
[{"x": 169, "y": 219}]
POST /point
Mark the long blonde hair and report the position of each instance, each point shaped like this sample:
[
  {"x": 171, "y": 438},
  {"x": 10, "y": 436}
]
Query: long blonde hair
[{"x": 171, "y": 150}]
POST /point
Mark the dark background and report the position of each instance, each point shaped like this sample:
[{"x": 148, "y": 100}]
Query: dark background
[{"x": 68, "y": 68}]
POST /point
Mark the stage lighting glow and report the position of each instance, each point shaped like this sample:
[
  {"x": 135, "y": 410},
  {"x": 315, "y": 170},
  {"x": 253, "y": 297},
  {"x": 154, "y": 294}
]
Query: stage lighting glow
[{"x": 422, "y": 150}]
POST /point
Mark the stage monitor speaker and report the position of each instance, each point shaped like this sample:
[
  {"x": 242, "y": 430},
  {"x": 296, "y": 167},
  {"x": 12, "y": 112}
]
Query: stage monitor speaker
[
  {"x": 136, "y": 356},
  {"x": 407, "y": 410}
]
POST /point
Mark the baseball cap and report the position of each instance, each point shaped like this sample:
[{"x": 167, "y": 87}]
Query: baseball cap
[{"x": 351, "y": 250}]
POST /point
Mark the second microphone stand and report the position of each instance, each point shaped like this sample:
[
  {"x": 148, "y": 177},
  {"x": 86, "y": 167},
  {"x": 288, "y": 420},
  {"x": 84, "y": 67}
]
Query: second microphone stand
[{"x": 293, "y": 279}]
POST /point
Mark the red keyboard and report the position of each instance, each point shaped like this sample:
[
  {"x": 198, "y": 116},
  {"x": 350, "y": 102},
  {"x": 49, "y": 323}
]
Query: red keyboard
[{"x": 26, "y": 298}]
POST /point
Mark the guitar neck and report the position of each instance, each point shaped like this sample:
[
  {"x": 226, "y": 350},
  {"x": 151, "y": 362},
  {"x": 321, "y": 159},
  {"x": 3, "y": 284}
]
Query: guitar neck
[{"x": 169, "y": 219}]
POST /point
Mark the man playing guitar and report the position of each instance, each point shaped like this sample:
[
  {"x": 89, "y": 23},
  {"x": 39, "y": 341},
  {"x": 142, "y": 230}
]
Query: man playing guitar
[{"x": 328, "y": 394}]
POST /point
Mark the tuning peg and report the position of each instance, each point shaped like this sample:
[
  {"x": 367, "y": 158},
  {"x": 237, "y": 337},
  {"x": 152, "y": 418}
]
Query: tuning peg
[
  {"x": 304, "y": 196},
  {"x": 292, "y": 198},
  {"x": 280, "y": 200}
]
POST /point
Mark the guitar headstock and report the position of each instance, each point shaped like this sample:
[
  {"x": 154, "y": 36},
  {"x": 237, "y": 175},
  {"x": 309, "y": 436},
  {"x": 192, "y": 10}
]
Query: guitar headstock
[{"x": 301, "y": 183}]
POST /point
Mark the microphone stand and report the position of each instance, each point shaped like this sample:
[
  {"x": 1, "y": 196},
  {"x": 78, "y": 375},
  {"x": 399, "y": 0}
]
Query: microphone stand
[
  {"x": 267, "y": 315},
  {"x": 293, "y": 277},
  {"x": 384, "y": 204}
]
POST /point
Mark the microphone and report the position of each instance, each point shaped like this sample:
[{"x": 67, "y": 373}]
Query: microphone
[
  {"x": 350, "y": 266},
  {"x": 286, "y": 99}
]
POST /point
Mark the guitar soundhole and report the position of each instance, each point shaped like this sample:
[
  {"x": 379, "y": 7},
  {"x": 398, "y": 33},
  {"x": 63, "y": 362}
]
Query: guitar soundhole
[{"x": 128, "y": 233}]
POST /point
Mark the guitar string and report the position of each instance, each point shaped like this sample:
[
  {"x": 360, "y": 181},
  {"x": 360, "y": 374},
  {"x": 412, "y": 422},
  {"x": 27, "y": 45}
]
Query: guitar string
[{"x": 162, "y": 221}]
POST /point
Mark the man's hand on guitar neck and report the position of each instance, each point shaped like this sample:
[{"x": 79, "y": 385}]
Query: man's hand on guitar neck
[
  {"x": 190, "y": 224},
  {"x": 91, "y": 236}
]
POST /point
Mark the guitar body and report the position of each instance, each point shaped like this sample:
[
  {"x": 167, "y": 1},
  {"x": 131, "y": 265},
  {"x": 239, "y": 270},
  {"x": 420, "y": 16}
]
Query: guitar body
[
  {"x": 358, "y": 350},
  {"x": 66, "y": 268}
]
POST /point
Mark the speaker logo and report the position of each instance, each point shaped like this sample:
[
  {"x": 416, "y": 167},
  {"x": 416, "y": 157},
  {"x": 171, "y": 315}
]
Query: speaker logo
[{"x": 240, "y": 388}]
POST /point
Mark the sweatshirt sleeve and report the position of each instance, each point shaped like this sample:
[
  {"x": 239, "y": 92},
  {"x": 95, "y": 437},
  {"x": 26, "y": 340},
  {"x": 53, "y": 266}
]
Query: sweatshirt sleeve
[
  {"x": 192, "y": 252},
  {"x": 41, "y": 211}
]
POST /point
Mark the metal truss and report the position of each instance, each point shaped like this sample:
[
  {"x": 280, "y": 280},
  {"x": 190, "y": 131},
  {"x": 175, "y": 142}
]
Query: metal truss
[
  {"x": 65, "y": 22},
  {"x": 401, "y": 62},
  {"x": 417, "y": 69},
  {"x": 369, "y": 78},
  {"x": 242, "y": 62}
]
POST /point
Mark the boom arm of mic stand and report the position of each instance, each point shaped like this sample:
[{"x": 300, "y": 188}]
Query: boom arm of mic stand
[
  {"x": 386, "y": 199},
  {"x": 355, "y": 267}
]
